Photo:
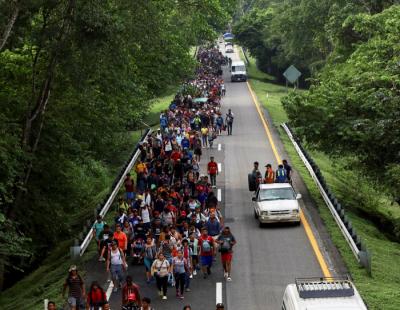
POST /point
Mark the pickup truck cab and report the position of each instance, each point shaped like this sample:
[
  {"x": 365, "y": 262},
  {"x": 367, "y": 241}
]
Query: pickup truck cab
[
  {"x": 276, "y": 202},
  {"x": 322, "y": 294}
]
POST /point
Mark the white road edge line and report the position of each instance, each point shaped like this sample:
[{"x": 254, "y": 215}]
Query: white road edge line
[
  {"x": 219, "y": 146},
  {"x": 219, "y": 167},
  {"x": 218, "y": 293},
  {"x": 109, "y": 290},
  {"x": 219, "y": 194}
]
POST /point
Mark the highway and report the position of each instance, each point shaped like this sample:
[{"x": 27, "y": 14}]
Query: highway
[{"x": 265, "y": 259}]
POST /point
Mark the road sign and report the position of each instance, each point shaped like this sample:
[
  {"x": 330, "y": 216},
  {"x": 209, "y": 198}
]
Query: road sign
[{"x": 292, "y": 74}]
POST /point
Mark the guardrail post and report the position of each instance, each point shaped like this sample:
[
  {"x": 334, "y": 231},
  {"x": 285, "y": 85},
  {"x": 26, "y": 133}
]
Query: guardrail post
[
  {"x": 46, "y": 303},
  {"x": 75, "y": 251},
  {"x": 366, "y": 260}
]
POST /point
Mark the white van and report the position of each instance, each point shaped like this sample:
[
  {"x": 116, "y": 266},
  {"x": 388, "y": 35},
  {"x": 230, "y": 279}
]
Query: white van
[
  {"x": 238, "y": 71},
  {"x": 322, "y": 294}
]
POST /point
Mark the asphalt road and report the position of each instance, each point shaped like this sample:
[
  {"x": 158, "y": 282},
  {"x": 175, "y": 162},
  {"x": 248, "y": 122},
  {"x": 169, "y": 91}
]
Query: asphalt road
[{"x": 265, "y": 259}]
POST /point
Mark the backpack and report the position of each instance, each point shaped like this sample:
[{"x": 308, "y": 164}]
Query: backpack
[
  {"x": 226, "y": 246},
  {"x": 206, "y": 246}
]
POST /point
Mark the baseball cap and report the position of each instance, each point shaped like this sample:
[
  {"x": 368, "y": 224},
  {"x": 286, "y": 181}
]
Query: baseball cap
[{"x": 72, "y": 268}]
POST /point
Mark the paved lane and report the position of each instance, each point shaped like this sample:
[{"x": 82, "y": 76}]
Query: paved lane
[{"x": 266, "y": 259}]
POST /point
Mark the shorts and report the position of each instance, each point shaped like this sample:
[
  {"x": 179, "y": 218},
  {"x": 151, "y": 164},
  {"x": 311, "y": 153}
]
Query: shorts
[
  {"x": 130, "y": 195},
  {"x": 75, "y": 302},
  {"x": 226, "y": 257},
  {"x": 206, "y": 260},
  {"x": 117, "y": 272}
]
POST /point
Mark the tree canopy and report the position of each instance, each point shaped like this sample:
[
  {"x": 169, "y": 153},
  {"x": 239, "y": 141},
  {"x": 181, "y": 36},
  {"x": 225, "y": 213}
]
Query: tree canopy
[{"x": 73, "y": 74}]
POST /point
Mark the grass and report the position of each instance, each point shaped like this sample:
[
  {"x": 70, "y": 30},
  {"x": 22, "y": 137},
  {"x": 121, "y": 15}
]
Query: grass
[
  {"x": 46, "y": 282},
  {"x": 381, "y": 290}
]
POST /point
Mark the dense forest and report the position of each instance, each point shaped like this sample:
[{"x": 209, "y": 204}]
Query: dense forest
[
  {"x": 73, "y": 74},
  {"x": 349, "y": 54}
]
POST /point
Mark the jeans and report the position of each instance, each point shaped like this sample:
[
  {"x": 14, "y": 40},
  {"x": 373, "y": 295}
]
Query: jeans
[
  {"x": 204, "y": 139},
  {"x": 162, "y": 283},
  {"x": 180, "y": 282},
  {"x": 213, "y": 178},
  {"x": 117, "y": 272},
  {"x": 229, "y": 125}
]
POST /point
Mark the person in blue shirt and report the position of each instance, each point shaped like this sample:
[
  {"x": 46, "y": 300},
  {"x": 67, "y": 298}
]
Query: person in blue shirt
[
  {"x": 213, "y": 226},
  {"x": 280, "y": 175},
  {"x": 185, "y": 143}
]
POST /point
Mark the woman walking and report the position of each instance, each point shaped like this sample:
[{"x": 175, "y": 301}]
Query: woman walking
[
  {"x": 149, "y": 254},
  {"x": 180, "y": 266},
  {"x": 161, "y": 269},
  {"x": 96, "y": 297}
]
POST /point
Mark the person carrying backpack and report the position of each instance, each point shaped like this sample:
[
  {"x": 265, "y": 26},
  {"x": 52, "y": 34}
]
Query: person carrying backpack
[
  {"x": 207, "y": 249},
  {"x": 116, "y": 264},
  {"x": 226, "y": 242},
  {"x": 280, "y": 175},
  {"x": 96, "y": 297}
]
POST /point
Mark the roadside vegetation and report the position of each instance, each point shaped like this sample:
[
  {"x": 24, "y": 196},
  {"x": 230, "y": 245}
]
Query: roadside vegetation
[
  {"x": 381, "y": 290},
  {"x": 76, "y": 77},
  {"x": 347, "y": 114}
]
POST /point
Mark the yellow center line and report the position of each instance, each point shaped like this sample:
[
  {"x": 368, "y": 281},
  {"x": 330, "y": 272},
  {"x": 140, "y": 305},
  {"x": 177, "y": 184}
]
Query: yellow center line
[{"x": 306, "y": 225}]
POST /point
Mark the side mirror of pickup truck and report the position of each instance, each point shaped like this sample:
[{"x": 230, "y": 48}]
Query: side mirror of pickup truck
[
  {"x": 254, "y": 199},
  {"x": 298, "y": 196}
]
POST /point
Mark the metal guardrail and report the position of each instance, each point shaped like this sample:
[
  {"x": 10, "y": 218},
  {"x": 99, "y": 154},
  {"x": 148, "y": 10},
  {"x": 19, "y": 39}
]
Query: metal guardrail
[
  {"x": 362, "y": 255},
  {"x": 79, "y": 250}
]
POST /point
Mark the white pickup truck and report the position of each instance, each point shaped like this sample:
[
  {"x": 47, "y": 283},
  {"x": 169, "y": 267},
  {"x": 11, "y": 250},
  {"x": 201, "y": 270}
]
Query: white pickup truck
[
  {"x": 276, "y": 202},
  {"x": 322, "y": 294}
]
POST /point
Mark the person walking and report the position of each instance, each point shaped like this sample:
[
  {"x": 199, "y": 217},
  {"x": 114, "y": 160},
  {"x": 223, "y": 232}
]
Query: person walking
[
  {"x": 280, "y": 176},
  {"x": 207, "y": 249},
  {"x": 204, "y": 134},
  {"x": 269, "y": 177},
  {"x": 161, "y": 269},
  {"x": 96, "y": 297},
  {"x": 116, "y": 264},
  {"x": 212, "y": 168},
  {"x": 149, "y": 254},
  {"x": 146, "y": 304},
  {"x": 226, "y": 242},
  {"x": 179, "y": 267},
  {"x": 229, "y": 121},
  {"x": 76, "y": 289},
  {"x": 130, "y": 294}
]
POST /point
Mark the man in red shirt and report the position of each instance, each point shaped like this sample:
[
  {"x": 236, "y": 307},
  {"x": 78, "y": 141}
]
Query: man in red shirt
[
  {"x": 207, "y": 251},
  {"x": 212, "y": 168}
]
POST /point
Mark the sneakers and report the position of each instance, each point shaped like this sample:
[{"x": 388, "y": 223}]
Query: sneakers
[
  {"x": 194, "y": 272},
  {"x": 181, "y": 297},
  {"x": 205, "y": 276},
  {"x": 191, "y": 276},
  {"x": 229, "y": 279},
  {"x": 188, "y": 289},
  {"x": 115, "y": 289},
  {"x": 160, "y": 293},
  {"x": 225, "y": 275},
  {"x": 102, "y": 259},
  {"x": 164, "y": 297},
  {"x": 208, "y": 270}
]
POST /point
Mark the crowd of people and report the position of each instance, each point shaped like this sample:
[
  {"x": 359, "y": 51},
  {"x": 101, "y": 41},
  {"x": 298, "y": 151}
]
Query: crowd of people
[
  {"x": 169, "y": 219},
  {"x": 282, "y": 175}
]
